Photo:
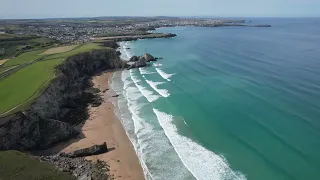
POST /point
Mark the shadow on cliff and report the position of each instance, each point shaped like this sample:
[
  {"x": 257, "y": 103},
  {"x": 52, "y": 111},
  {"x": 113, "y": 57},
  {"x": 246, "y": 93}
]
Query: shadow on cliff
[{"x": 57, "y": 148}]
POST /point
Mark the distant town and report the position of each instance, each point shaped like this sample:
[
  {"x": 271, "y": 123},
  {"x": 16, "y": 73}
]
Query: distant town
[{"x": 82, "y": 30}]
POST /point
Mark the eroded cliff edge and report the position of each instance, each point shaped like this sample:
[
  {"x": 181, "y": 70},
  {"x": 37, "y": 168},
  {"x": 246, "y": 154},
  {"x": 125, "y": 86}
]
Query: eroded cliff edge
[{"x": 51, "y": 117}]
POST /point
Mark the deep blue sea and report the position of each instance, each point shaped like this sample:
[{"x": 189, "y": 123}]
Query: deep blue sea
[{"x": 226, "y": 103}]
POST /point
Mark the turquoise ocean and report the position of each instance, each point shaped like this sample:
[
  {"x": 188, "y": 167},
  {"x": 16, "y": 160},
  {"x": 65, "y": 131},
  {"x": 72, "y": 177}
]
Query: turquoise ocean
[{"x": 226, "y": 103}]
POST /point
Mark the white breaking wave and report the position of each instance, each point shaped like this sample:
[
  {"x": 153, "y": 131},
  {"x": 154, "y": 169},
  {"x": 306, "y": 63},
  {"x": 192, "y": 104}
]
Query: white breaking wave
[
  {"x": 202, "y": 163},
  {"x": 145, "y": 92},
  {"x": 162, "y": 92},
  {"x": 125, "y": 54},
  {"x": 164, "y": 75},
  {"x": 151, "y": 145},
  {"x": 145, "y": 71},
  {"x": 138, "y": 128},
  {"x": 156, "y": 64}
]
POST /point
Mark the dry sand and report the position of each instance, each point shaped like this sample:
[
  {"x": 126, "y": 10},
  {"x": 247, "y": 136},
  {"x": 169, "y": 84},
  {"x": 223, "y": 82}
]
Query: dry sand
[
  {"x": 104, "y": 126},
  {"x": 59, "y": 49}
]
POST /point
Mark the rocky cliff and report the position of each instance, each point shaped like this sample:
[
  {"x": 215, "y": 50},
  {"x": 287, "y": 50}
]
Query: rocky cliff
[{"x": 51, "y": 117}]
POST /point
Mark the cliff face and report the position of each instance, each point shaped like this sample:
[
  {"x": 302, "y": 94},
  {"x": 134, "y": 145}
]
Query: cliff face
[{"x": 63, "y": 104}]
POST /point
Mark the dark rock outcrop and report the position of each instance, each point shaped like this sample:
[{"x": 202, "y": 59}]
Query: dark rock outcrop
[
  {"x": 138, "y": 64},
  {"x": 134, "y": 59},
  {"x": 93, "y": 150},
  {"x": 79, "y": 167},
  {"x": 147, "y": 57},
  {"x": 64, "y": 103},
  {"x": 141, "y": 61}
]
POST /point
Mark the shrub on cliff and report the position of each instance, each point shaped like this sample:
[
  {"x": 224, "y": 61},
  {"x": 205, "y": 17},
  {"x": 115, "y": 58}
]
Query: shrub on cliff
[{"x": 15, "y": 165}]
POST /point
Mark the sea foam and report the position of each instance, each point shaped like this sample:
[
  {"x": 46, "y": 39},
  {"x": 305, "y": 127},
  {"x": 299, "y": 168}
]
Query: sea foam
[
  {"x": 164, "y": 75},
  {"x": 145, "y": 71},
  {"x": 145, "y": 92},
  {"x": 125, "y": 54},
  {"x": 202, "y": 163},
  {"x": 131, "y": 121},
  {"x": 151, "y": 145},
  {"x": 163, "y": 92}
]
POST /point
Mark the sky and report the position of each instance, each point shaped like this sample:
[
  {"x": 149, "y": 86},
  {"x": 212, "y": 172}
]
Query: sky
[{"x": 219, "y": 8}]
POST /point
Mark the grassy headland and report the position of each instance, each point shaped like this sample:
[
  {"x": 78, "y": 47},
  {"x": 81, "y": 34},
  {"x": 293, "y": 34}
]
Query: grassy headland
[
  {"x": 61, "y": 49},
  {"x": 20, "y": 88},
  {"x": 15, "y": 165}
]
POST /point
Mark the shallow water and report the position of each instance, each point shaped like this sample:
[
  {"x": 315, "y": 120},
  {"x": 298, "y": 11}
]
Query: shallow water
[{"x": 226, "y": 103}]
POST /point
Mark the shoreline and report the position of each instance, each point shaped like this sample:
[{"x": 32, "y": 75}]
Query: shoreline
[{"x": 102, "y": 126}]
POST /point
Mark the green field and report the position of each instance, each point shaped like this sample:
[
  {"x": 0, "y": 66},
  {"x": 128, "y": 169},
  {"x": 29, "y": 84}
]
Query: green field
[
  {"x": 11, "y": 44},
  {"x": 20, "y": 88},
  {"x": 80, "y": 49},
  {"x": 25, "y": 57},
  {"x": 15, "y": 165},
  {"x": 10, "y": 36}
]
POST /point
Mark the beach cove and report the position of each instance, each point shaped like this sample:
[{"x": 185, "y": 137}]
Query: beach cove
[
  {"x": 104, "y": 126},
  {"x": 224, "y": 100}
]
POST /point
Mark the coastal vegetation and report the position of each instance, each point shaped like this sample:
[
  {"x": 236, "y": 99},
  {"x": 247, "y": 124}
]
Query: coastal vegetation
[
  {"x": 20, "y": 88},
  {"x": 133, "y": 37},
  {"x": 24, "y": 85},
  {"x": 132, "y": 33},
  {"x": 60, "y": 49},
  {"x": 23, "y": 58},
  {"x": 61, "y": 90},
  {"x": 15, "y": 165},
  {"x": 11, "y": 45}
]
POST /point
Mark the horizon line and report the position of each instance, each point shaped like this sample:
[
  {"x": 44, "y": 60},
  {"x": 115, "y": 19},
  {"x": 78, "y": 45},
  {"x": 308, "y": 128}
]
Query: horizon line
[{"x": 184, "y": 16}]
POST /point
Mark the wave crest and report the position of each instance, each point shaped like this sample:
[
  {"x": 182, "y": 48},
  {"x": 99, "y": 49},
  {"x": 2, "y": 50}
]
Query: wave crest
[
  {"x": 164, "y": 75},
  {"x": 202, "y": 163}
]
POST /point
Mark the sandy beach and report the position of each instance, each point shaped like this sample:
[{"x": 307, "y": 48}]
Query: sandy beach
[{"x": 104, "y": 126}]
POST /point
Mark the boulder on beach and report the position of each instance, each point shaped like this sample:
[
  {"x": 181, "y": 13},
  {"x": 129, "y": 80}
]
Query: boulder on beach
[{"x": 93, "y": 150}]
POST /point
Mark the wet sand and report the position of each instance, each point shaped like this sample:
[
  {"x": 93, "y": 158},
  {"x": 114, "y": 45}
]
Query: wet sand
[{"x": 104, "y": 126}]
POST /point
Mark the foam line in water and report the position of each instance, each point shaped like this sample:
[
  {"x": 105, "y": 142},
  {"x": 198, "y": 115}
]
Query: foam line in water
[
  {"x": 144, "y": 91},
  {"x": 125, "y": 54},
  {"x": 131, "y": 94},
  {"x": 164, "y": 75},
  {"x": 145, "y": 71},
  {"x": 162, "y": 92},
  {"x": 202, "y": 163},
  {"x": 156, "y": 64},
  {"x": 151, "y": 144}
]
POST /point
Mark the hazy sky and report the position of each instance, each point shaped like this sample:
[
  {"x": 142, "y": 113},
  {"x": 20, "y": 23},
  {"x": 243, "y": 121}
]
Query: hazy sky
[{"x": 89, "y": 8}]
